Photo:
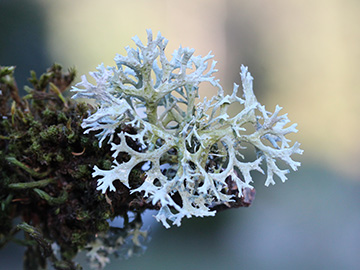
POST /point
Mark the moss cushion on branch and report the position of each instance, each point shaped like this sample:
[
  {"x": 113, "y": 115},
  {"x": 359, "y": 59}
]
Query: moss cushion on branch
[{"x": 46, "y": 164}]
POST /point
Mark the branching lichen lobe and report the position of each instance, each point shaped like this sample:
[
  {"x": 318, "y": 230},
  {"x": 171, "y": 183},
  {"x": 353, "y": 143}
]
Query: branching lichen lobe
[{"x": 208, "y": 142}]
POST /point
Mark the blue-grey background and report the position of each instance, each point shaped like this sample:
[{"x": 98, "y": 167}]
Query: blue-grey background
[{"x": 304, "y": 56}]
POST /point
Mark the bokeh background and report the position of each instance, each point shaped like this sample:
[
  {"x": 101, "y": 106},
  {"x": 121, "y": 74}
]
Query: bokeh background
[{"x": 304, "y": 56}]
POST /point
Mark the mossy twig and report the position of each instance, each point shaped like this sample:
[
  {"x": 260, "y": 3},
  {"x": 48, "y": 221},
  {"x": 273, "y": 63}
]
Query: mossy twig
[
  {"x": 52, "y": 200},
  {"x": 34, "y": 184},
  {"x": 30, "y": 171}
]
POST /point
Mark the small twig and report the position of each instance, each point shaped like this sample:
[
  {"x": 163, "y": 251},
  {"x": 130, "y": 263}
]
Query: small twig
[
  {"x": 30, "y": 171},
  {"x": 52, "y": 200},
  {"x": 34, "y": 184},
  {"x": 37, "y": 236},
  {"x": 57, "y": 91}
]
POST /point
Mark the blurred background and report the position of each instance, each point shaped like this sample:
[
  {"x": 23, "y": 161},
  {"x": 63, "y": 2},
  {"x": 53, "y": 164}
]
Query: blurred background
[{"x": 304, "y": 56}]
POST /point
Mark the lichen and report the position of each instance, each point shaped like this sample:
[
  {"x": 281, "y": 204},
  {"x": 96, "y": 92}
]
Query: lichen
[
  {"x": 122, "y": 242},
  {"x": 188, "y": 152}
]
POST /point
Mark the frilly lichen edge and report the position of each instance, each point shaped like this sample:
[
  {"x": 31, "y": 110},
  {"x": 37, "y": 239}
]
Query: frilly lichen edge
[{"x": 202, "y": 149}]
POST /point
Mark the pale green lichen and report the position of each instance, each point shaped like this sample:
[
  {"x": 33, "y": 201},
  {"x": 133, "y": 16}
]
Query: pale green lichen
[{"x": 186, "y": 150}]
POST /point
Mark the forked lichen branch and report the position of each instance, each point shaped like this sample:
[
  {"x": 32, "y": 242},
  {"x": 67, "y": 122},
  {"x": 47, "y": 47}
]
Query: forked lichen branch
[{"x": 188, "y": 154}]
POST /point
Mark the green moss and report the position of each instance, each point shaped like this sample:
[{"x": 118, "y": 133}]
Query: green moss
[
  {"x": 106, "y": 215},
  {"x": 35, "y": 128},
  {"x": 79, "y": 238},
  {"x": 106, "y": 164},
  {"x": 45, "y": 169},
  {"x": 59, "y": 158},
  {"x": 84, "y": 140},
  {"x": 102, "y": 226},
  {"x": 35, "y": 147},
  {"x": 82, "y": 171},
  {"x": 52, "y": 133},
  {"x": 46, "y": 158},
  {"x": 62, "y": 118},
  {"x": 72, "y": 137},
  {"x": 49, "y": 116}
]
